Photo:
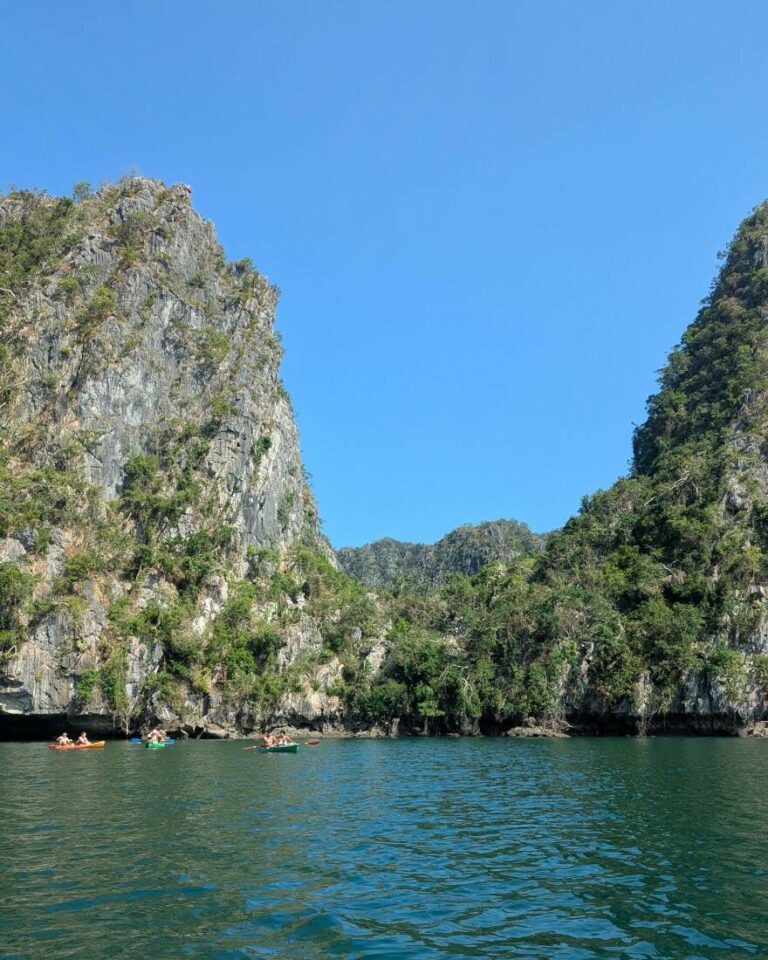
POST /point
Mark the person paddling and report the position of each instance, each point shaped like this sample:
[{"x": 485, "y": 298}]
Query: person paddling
[
  {"x": 82, "y": 740},
  {"x": 63, "y": 740},
  {"x": 271, "y": 740}
]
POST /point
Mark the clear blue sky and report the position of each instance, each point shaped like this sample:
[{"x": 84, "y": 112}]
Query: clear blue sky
[{"x": 490, "y": 220}]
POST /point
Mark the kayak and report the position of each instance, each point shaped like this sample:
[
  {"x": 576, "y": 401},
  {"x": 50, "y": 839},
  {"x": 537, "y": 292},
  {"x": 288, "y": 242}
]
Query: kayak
[
  {"x": 139, "y": 740},
  {"x": 98, "y": 745},
  {"x": 283, "y": 748},
  {"x": 156, "y": 746}
]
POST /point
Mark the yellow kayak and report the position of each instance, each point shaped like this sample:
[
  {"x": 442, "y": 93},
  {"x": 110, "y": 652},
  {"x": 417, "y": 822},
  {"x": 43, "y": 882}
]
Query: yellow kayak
[{"x": 98, "y": 745}]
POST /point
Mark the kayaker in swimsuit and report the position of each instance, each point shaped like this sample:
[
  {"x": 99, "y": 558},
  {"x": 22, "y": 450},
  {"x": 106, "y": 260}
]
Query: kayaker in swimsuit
[
  {"x": 64, "y": 740},
  {"x": 154, "y": 736},
  {"x": 269, "y": 740},
  {"x": 83, "y": 740}
]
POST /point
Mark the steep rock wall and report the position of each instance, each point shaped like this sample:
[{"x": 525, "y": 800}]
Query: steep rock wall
[{"x": 150, "y": 457}]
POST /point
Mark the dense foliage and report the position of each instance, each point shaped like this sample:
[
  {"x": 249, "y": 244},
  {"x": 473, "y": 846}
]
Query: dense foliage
[
  {"x": 467, "y": 549},
  {"x": 165, "y": 536},
  {"x": 658, "y": 579},
  {"x": 654, "y": 578}
]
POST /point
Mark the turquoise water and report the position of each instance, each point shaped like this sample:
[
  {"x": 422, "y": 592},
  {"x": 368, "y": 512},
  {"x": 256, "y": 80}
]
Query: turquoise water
[{"x": 406, "y": 849}]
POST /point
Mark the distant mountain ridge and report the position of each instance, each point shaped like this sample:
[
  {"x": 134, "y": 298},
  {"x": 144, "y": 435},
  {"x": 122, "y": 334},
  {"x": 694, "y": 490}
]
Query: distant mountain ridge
[{"x": 467, "y": 549}]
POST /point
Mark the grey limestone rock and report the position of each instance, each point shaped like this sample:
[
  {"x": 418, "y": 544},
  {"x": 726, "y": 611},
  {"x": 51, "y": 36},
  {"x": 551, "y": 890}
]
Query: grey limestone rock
[
  {"x": 138, "y": 338},
  {"x": 466, "y": 549}
]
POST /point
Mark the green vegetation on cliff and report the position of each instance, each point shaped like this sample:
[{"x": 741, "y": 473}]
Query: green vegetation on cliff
[
  {"x": 467, "y": 549},
  {"x": 139, "y": 395},
  {"x": 159, "y": 546},
  {"x": 658, "y": 581}
]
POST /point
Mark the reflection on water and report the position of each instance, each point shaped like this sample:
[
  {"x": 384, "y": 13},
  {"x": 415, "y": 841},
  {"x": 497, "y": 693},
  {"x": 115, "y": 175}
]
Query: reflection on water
[{"x": 414, "y": 849}]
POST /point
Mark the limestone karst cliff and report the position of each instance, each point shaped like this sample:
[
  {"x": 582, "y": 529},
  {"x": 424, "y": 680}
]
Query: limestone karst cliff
[
  {"x": 467, "y": 549},
  {"x": 647, "y": 611},
  {"x": 155, "y": 521},
  {"x": 160, "y": 556}
]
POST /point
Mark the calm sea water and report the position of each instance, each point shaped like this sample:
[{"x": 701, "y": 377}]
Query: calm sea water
[{"x": 404, "y": 849}]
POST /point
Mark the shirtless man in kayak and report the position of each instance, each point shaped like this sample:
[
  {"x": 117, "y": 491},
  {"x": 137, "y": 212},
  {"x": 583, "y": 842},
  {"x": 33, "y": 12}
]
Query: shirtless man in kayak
[
  {"x": 63, "y": 740},
  {"x": 82, "y": 740},
  {"x": 276, "y": 740}
]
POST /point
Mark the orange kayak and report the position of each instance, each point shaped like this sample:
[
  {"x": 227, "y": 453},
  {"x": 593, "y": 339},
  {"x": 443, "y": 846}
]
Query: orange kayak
[{"x": 77, "y": 746}]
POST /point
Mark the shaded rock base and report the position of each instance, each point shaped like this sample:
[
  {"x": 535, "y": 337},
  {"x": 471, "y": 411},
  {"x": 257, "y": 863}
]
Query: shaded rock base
[{"x": 50, "y": 725}]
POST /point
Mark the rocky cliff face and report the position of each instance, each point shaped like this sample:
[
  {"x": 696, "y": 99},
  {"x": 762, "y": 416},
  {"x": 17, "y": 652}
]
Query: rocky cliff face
[
  {"x": 647, "y": 611},
  {"x": 159, "y": 550},
  {"x": 153, "y": 507},
  {"x": 467, "y": 549}
]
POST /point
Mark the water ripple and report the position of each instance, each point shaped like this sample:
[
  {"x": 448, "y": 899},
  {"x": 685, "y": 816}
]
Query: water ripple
[{"x": 415, "y": 849}]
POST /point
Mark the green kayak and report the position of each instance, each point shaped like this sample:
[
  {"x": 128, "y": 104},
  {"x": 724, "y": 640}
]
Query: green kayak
[
  {"x": 155, "y": 746},
  {"x": 285, "y": 748}
]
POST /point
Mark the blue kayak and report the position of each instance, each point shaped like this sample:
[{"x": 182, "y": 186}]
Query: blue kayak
[{"x": 139, "y": 740}]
